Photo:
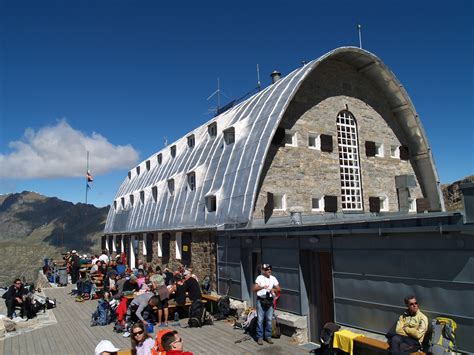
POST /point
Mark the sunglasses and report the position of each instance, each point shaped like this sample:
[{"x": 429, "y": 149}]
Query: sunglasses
[
  {"x": 178, "y": 341},
  {"x": 137, "y": 333},
  {"x": 413, "y": 303}
]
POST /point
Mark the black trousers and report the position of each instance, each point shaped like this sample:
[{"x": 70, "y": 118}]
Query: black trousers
[
  {"x": 400, "y": 344},
  {"x": 11, "y": 303},
  {"x": 74, "y": 275}
]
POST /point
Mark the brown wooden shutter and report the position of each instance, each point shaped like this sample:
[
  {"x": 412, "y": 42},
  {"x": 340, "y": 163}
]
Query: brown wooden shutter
[
  {"x": 330, "y": 203},
  {"x": 165, "y": 247},
  {"x": 326, "y": 143},
  {"x": 103, "y": 242},
  {"x": 422, "y": 205},
  {"x": 404, "y": 153},
  {"x": 149, "y": 248},
  {"x": 118, "y": 245},
  {"x": 370, "y": 149},
  {"x": 374, "y": 204},
  {"x": 279, "y": 136},
  {"x": 186, "y": 239}
]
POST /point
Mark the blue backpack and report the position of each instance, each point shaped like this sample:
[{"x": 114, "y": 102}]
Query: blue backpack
[{"x": 102, "y": 315}]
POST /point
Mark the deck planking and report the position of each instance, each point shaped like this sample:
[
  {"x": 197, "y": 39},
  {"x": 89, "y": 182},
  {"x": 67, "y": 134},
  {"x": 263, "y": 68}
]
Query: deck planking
[{"x": 72, "y": 334}]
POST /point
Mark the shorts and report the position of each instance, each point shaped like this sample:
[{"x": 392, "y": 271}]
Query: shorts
[{"x": 163, "y": 304}]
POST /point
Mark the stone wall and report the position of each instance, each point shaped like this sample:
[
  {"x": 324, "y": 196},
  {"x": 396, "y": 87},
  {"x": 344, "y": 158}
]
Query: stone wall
[{"x": 302, "y": 173}]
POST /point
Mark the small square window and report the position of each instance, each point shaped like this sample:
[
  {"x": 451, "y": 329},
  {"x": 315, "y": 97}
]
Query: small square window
[
  {"x": 317, "y": 203},
  {"x": 154, "y": 192},
  {"x": 122, "y": 201},
  {"x": 383, "y": 204},
  {"x": 314, "y": 141},
  {"x": 148, "y": 164},
  {"x": 173, "y": 151},
  {"x": 132, "y": 200},
  {"x": 395, "y": 151},
  {"x": 279, "y": 202},
  {"x": 379, "y": 150},
  {"x": 290, "y": 139},
  {"x": 138, "y": 170},
  {"x": 142, "y": 197},
  {"x": 129, "y": 175},
  {"x": 192, "y": 181},
  {"x": 211, "y": 203},
  {"x": 171, "y": 187},
  {"x": 115, "y": 205},
  {"x": 229, "y": 135},
  {"x": 191, "y": 141},
  {"x": 159, "y": 158},
  {"x": 411, "y": 205},
  {"x": 212, "y": 129}
]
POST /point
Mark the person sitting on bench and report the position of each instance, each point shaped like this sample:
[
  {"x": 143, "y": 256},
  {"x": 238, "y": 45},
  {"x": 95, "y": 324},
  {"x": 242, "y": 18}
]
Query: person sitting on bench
[
  {"x": 15, "y": 296},
  {"x": 411, "y": 329}
]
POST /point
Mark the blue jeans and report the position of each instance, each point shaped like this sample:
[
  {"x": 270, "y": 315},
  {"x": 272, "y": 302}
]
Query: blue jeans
[{"x": 262, "y": 316}]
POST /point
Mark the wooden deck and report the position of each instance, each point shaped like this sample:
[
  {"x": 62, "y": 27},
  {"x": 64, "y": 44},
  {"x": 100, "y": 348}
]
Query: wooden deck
[{"x": 73, "y": 335}]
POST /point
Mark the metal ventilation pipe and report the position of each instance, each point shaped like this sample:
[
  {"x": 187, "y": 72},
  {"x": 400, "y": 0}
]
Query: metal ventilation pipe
[{"x": 276, "y": 75}]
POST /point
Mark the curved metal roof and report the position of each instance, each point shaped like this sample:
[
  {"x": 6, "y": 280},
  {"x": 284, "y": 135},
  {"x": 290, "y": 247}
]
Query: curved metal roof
[{"x": 231, "y": 171}]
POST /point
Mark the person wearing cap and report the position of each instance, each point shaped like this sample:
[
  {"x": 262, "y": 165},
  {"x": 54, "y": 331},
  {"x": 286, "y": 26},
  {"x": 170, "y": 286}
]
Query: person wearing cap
[
  {"x": 266, "y": 285},
  {"x": 191, "y": 286},
  {"x": 105, "y": 347},
  {"x": 75, "y": 267}
]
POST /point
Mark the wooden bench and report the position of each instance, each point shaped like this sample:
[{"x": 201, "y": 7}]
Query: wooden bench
[
  {"x": 365, "y": 345},
  {"x": 212, "y": 299}
]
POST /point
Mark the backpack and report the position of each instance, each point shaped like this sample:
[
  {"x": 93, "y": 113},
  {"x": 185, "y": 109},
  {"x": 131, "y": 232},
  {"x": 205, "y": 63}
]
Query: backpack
[
  {"x": 223, "y": 306},
  {"x": 50, "y": 303},
  {"x": 198, "y": 315},
  {"x": 443, "y": 339},
  {"x": 250, "y": 324},
  {"x": 327, "y": 334},
  {"x": 102, "y": 315}
]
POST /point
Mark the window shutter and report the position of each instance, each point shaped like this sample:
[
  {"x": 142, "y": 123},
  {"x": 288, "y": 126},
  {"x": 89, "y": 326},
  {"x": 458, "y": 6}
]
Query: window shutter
[
  {"x": 103, "y": 241},
  {"x": 374, "y": 204},
  {"x": 118, "y": 246},
  {"x": 126, "y": 246},
  {"x": 270, "y": 202},
  {"x": 166, "y": 246},
  {"x": 279, "y": 136},
  {"x": 149, "y": 248},
  {"x": 330, "y": 203},
  {"x": 422, "y": 205},
  {"x": 186, "y": 248},
  {"x": 404, "y": 153},
  {"x": 370, "y": 149},
  {"x": 326, "y": 143}
]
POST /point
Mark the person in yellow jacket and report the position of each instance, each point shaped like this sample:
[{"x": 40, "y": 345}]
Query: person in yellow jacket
[{"x": 411, "y": 329}]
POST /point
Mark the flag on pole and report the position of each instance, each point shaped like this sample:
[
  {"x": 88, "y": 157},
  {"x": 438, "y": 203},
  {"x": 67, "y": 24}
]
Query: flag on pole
[{"x": 89, "y": 176}]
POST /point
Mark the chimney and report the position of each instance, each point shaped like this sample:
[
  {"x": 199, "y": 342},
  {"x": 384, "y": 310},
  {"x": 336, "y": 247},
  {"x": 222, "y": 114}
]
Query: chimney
[{"x": 276, "y": 75}]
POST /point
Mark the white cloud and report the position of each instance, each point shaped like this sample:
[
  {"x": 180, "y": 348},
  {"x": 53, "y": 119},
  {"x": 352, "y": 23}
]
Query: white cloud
[{"x": 60, "y": 151}]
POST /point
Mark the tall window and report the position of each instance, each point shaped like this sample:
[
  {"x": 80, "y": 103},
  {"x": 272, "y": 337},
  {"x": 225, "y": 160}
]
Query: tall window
[{"x": 349, "y": 168}]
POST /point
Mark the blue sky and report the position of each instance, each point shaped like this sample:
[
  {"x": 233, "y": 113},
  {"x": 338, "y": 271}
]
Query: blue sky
[{"x": 119, "y": 76}]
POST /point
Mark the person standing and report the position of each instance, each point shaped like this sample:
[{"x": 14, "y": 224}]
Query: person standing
[
  {"x": 411, "y": 329},
  {"x": 266, "y": 285}
]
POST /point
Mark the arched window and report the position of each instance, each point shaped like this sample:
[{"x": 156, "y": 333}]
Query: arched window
[{"x": 349, "y": 167}]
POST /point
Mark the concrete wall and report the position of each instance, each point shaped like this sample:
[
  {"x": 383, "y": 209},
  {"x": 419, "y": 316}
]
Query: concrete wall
[{"x": 301, "y": 172}]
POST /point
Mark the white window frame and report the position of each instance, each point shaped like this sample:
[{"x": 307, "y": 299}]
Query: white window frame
[
  {"x": 412, "y": 205},
  {"x": 395, "y": 151},
  {"x": 209, "y": 200},
  {"x": 229, "y": 135},
  {"x": 160, "y": 245},
  {"x": 145, "y": 237},
  {"x": 294, "y": 140},
  {"x": 282, "y": 199},
  {"x": 379, "y": 150},
  {"x": 320, "y": 204},
  {"x": 173, "y": 151},
  {"x": 159, "y": 159},
  {"x": 212, "y": 129},
  {"x": 178, "y": 245},
  {"x": 171, "y": 187},
  {"x": 191, "y": 177},
  {"x": 191, "y": 141},
  {"x": 384, "y": 205},
  {"x": 317, "y": 141},
  {"x": 349, "y": 164}
]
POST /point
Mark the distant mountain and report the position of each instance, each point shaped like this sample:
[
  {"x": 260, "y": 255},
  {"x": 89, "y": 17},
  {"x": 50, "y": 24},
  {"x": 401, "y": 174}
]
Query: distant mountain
[
  {"x": 452, "y": 194},
  {"x": 33, "y": 227}
]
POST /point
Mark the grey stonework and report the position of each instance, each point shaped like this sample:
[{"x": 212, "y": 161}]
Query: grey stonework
[{"x": 302, "y": 173}]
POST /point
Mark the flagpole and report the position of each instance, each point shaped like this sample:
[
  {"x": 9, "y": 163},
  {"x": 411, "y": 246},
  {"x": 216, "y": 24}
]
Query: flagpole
[{"x": 87, "y": 169}]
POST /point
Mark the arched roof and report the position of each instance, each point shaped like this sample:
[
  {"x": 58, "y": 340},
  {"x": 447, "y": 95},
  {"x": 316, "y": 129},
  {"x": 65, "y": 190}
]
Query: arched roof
[{"x": 231, "y": 171}]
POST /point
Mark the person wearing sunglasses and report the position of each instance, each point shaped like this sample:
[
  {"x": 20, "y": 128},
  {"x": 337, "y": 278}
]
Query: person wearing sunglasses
[
  {"x": 142, "y": 342},
  {"x": 411, "y": 329},
  {"x": 15, "y": 296},
  {"x": 173, "y": 344}
]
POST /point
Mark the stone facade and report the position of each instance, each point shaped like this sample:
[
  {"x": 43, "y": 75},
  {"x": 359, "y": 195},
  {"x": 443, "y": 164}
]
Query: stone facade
[{"x": 302, "y": 173}]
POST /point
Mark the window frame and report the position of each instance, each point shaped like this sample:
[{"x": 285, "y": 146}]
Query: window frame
[
  {"x": 191, "y": 179},
  {"x": 317, "y": 141},
  {"x": 148, "y": 165},
  {"x": 173, "y": 151},
  {"x": 142, "y": 197},
  {"x": 229, "y": 135},
  {"x": 379, "y": 150},
  {"x": 384, "y": 203},
  {"x": 412, "y": 205},
  {"x": 131, "y": 198},
  {"x": 154, "y": 193},
  {"x": 212, "y": 129},
  {"x": 320, "y": 203},
  {"x": 159, "y": 159},
  {"x": 395, "y": 154},
  {"x": 211, "y": 201},
  {"x": 191, "y": 141},
  {"x": 171, "y": 187},
  {"x": 282, "y": 200},
  {"x": 294, "y": 139}
]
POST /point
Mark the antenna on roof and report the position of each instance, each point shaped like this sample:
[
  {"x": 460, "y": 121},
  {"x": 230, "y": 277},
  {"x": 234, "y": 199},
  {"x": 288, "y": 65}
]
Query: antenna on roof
[
  {"x": 359, "y": 28},
  {"x": 218, "y": 92},
  {"x": 259, "y": 84}
]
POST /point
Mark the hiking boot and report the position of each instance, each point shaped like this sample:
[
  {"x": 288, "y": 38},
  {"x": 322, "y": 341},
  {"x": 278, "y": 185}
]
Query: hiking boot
[
  {"x": 260, "y": 341},
  {"x": 269, "y": 341}
]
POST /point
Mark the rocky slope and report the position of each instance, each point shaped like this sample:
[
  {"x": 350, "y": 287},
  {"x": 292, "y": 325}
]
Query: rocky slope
[
  {"x": 33, "y": 227},
  {"x": 452, "y": 194}
]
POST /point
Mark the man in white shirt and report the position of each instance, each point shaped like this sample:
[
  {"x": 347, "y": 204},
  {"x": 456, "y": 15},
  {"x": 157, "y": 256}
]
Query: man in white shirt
[
  {"x": 103, "y": 257},
  {"x": 266, "y": 285}
]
